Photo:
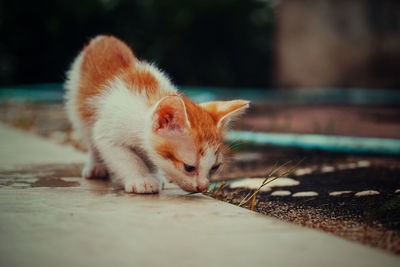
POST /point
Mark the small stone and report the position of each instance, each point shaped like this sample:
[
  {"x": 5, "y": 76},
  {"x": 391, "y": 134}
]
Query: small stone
[
  {"x": 254, "y": 183},
  {"x": 304, "y": 171},
  {"x": 305, "y": 194},
  {"x": 351, "y": 165},
  {"x": 283, "y": 181},
  {"x": 366, "y": 193},
  {"x": 250, "y": 183},
  {"x": 363, "y": 163},
  {"x": 326, "y": 169},
  {"x": 342, "y": 166},
  {"x": 338, "y": 193},
  {"x": 281, "y": 193},
  {"x": 346, "y": 166}
]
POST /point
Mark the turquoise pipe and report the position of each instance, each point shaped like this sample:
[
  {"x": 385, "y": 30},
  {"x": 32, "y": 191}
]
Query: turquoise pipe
[{"x": 324, "y": 142}]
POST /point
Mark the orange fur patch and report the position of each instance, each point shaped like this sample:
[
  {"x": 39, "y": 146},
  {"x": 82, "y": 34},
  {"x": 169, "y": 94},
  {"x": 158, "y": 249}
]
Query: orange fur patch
[
  {"x": 103, "y": 58},
  {"x": 219, "y": 109},
  {"x": 143, "y": 80},
  {"x": 203, "y": 130},
  {"x": 107, "y": 57},
  {"x": 203, "y": 126},
  {"x": 168, "y": 152}
]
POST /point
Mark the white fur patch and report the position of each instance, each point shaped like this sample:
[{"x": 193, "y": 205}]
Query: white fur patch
[{"x": 71, "y": 85}]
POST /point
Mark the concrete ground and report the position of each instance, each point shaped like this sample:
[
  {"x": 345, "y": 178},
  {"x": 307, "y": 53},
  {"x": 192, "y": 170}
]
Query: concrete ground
[{"x": 49, "y": 216}]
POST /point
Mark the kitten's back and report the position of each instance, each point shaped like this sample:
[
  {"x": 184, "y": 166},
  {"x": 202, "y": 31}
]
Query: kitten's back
[{"x": 104, "y": 58}]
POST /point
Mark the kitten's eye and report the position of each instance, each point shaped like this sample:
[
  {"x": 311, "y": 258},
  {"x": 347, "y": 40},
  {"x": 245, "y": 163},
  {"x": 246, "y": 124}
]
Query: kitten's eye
[
  {"x": 189, "y": 168},
  {"x": 214, "y": 168}
]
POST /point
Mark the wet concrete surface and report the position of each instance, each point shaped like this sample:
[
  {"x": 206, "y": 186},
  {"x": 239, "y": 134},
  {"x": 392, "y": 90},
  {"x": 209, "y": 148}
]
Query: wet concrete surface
[
  {"x": 49, "y": 216},
  {"x": 19, "y": 148},
  {"x": 50, "y": 175}
]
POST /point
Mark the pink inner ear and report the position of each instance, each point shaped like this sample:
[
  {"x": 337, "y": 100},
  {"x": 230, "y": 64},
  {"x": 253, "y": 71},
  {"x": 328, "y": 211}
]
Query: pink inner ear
[
  {"x": 170, "y": 117},
  {"x": 165, "y": 119}
]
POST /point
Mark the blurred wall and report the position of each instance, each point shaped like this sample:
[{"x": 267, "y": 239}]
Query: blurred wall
[
  {"x": 197, "y": 42},
  {"x": 338, "y": 43}
]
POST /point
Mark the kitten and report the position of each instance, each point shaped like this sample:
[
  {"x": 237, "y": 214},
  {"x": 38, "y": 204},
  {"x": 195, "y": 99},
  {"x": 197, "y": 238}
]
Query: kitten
[{"x": 137, "y": 126}]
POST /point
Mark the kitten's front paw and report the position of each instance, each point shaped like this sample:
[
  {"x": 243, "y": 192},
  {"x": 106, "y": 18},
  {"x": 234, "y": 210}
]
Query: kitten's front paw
[
  {"x": 94, "y": 171},
  {"x": 161, "y": 179},
  {"x": 146, "y": 185}
]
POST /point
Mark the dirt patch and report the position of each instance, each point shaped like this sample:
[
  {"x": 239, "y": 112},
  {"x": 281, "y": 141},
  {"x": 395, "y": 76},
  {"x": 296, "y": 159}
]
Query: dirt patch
[{"x": 335, "y": 207}]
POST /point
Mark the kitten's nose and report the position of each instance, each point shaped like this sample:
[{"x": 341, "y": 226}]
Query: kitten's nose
[{"x": 202, "y": 186}]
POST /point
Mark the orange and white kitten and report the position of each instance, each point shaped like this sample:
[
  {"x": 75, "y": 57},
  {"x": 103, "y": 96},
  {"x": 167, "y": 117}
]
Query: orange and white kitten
[{"x": 137, "y": 126}]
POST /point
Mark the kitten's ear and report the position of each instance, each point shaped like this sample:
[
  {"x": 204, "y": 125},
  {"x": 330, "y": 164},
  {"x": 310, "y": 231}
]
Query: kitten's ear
[
  {"x": 170, "y": 117},
  {"x": 225, "y": 111}
]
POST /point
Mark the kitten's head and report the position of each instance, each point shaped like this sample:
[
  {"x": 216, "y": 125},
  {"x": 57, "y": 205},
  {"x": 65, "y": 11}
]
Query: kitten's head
[{"x": 188, "y": 138}]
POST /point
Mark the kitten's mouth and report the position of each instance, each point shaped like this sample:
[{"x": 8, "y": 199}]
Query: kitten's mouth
[
  {"x": 188, "y": 188},
  {"x": 192, "y": 189}
]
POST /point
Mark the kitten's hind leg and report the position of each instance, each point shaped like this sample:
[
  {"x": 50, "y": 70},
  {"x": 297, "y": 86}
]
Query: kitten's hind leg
[{"x": 94, "y": 167}]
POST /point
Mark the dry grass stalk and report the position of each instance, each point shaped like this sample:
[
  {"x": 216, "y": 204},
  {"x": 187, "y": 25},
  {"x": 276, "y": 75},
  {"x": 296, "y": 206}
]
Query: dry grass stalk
[{"x": 268, "y": 179}]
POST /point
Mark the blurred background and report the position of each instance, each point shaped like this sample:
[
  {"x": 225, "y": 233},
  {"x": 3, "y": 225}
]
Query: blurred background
[
  {"x": 228, "y": 43},
  {"x": 206, "y": 42},
  {"x": 308, "y": 66}
]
